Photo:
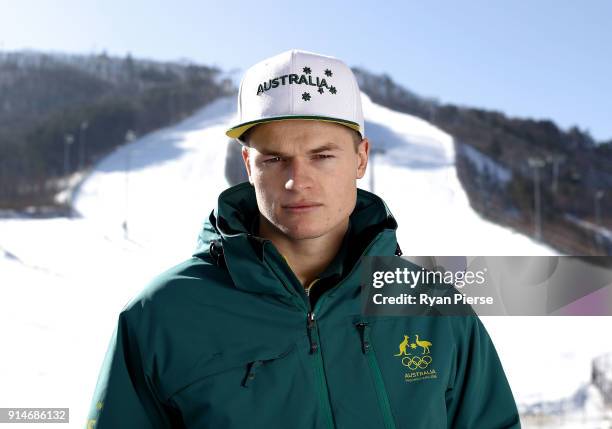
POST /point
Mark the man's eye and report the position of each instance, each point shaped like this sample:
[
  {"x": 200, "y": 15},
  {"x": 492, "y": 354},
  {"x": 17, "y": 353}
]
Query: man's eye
[
  {"x": 323, "y": 156},
  {"x": 272, "y": 160}
]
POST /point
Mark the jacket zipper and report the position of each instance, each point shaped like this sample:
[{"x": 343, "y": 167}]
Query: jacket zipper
[
  {"x": 303, "y": 302},
  {"x": 313, "y": 336},
  {"x": 381, "y": 391},
  {"x": 314, "y": 339},
  {"x": 315, "y": 349}
]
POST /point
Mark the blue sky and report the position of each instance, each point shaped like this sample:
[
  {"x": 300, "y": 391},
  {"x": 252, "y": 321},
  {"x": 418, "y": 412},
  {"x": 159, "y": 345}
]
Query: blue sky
[{"x": 539, "y": 58}]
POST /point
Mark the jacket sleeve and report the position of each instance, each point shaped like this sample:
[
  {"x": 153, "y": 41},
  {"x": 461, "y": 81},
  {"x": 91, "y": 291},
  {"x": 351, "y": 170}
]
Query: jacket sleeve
[
  {"x": 124, "y": 396},
  {"x": 479, "y": 396}
]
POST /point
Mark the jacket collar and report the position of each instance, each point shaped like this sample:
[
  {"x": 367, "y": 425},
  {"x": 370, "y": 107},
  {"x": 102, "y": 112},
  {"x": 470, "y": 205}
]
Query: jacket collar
[{"x": 372, "y": 231}]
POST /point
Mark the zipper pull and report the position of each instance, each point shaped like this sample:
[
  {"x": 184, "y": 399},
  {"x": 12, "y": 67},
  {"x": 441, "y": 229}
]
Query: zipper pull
[
  {"x": 310, "y": 323},
  {"x": 311, "y": 320},
  {"x": 364, "y": 330},
  {"x": 250, "y": 375}
]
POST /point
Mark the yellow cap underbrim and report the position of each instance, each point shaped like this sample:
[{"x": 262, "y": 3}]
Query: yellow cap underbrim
[{"x": 238, "y": 130}]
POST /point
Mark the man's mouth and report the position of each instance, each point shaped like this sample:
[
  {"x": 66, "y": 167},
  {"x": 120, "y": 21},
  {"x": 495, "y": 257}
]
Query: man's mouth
[{"x": 302, "y": 207}]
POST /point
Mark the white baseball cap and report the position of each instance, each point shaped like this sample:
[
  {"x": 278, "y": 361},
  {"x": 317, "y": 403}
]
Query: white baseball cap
[{"x": 298, "y": 84}]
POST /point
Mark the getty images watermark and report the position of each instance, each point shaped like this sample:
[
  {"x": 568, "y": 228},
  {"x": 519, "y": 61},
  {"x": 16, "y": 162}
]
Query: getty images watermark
[{"x": 487, "y": 285}]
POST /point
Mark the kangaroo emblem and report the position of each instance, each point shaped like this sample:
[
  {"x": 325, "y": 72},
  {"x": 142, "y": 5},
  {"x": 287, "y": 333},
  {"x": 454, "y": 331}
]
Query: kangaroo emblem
[{"x": 402, "y": 347}]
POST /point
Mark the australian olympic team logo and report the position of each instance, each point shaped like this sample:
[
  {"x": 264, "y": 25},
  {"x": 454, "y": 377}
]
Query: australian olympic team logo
[
  {"x": 416, "y": 356},
  {"x": 306, "y": 78}
]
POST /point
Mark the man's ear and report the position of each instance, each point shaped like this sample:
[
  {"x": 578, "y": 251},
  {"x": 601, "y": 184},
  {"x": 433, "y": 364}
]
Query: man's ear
[
  {"x": 363, "y": 153},
  {"x": 246, "y": 157}
]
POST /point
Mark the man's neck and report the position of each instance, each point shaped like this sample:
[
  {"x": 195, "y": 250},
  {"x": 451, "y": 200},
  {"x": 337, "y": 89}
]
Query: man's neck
[{"x": 307, "y": 258}]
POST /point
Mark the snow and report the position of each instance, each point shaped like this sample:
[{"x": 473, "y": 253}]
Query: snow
[
  {"x": 434, "y": 214},
  {"x": 64, "y": 281},
  {"x": 484, "y": 164},
  {"x": 590, "y": 226}
]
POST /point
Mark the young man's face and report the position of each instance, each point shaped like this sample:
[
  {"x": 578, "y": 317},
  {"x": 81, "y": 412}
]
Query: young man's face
[{"x": 306, "y": 163}]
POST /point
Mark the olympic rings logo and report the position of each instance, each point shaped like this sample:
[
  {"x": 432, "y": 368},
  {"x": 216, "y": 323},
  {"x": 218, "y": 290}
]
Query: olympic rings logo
[{"x": 414, "y": 362}]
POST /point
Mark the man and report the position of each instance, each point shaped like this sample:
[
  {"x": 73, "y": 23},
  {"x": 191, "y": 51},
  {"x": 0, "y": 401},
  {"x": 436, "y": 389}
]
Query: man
[{"x": 262, "y": 326}]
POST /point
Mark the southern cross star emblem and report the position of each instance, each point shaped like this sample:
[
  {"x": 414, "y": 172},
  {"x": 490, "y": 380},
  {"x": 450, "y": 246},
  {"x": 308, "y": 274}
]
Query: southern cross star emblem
[
  {"x": 328, "y": 72},
  {"x": 306, "y": 70},
  {"x": 305, "y": 96},
  {"x": 321, "y": 91},
  {"x": 332, "y": 89}
]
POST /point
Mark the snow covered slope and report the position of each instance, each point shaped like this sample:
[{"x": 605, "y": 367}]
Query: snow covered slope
[
  {"x": 417, "y": 178},
  {"x": 64, "y": 281}
]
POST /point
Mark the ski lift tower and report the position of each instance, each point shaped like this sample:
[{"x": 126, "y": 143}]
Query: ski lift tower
[
  {"x": 129, "y": 137},
  {"x": 373, "y": 152}
]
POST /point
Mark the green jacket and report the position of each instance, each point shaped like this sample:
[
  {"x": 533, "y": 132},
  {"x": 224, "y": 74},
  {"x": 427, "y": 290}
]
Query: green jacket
[{"x": 229, "y": 339}]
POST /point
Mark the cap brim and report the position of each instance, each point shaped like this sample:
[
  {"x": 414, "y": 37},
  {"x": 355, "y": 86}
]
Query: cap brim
[{"x": 238, "y": 130}]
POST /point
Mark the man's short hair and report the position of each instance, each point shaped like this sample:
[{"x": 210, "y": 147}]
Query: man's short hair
[{"x": 244, "y": 138}]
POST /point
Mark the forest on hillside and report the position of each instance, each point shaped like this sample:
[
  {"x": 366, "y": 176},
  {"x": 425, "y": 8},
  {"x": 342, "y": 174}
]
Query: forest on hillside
[{"x": 61, "y": 113}]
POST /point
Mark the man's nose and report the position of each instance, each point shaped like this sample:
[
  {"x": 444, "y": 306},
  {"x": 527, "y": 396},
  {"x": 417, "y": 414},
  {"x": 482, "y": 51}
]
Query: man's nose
[{"x": 299, "y": 175}]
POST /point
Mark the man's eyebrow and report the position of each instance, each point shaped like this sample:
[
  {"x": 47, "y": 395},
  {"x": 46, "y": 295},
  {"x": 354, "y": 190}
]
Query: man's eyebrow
[{"x": 325, "y": 147}]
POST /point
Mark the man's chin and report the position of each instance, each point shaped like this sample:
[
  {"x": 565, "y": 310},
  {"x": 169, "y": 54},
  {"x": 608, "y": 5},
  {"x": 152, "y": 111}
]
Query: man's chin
[{"x": 302, "y": 232}]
